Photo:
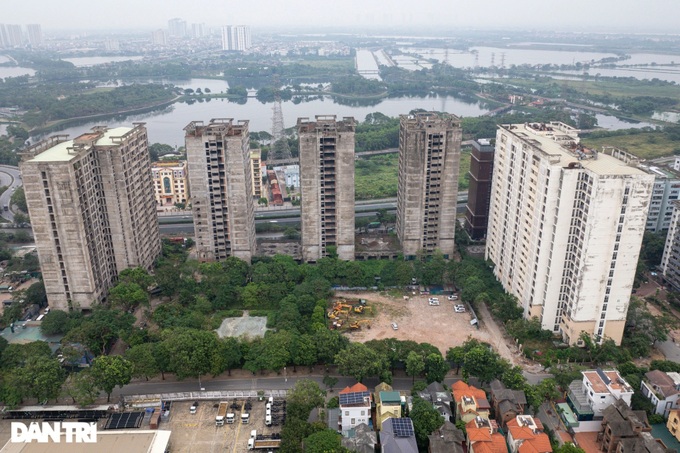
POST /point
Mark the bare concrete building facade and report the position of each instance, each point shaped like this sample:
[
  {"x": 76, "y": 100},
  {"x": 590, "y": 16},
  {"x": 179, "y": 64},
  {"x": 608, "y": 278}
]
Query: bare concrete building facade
[
  {"x": 92, "y": 208},
  {"x": 429, "y": 156},
  {"x": 218, "y": 155},
  {"x": 327, "y": 186}
]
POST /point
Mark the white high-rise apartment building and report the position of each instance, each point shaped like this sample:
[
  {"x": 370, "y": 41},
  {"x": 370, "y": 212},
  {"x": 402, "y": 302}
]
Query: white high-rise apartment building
[
  {"x": 565, "y": 228},
  {"x": 236, "y": 37},
  {"x": 218, "y": 155},
  {"x": 92, "y": 210}
]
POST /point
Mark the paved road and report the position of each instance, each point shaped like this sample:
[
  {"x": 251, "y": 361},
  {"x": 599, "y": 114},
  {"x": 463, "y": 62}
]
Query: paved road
[
  {"x": 670, "y": 349},
  {"x": 10, "y": 177}
]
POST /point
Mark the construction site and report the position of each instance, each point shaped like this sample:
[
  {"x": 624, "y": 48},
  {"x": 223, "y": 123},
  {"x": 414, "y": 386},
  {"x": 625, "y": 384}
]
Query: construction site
[{"x": 350, "y": 314}]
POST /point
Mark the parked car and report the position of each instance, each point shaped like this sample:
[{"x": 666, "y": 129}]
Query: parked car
[
  {"x": 193, "y": 408},
  {"x": 459, "y": 308},
  {"x": 395, "y": 326},
  {"x": 453, "y": 297},
  {"x": 434, "y": 302}
]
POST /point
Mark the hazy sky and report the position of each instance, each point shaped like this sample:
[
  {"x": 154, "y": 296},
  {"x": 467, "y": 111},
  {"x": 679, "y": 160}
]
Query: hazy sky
[{"x": 634, "y": 16}]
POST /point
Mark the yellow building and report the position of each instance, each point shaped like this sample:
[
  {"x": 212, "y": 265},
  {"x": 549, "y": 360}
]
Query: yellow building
[
  {"x": 170, "y": 181},
  {"x": 388, "y": 405},
  {"x": 673, "y": 423}
]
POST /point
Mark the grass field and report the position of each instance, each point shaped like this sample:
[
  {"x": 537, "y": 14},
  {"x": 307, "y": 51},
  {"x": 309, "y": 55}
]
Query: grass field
[
  {"x": 376, "y": 177},
  {"x": 647, "y": 145},
  {"x": 612, "y": 87}
]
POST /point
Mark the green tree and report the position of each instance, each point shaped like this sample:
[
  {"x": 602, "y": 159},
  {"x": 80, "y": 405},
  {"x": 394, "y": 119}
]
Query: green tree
[
  {"x": 482, "y": 363},
  {"x": 230, "y": 353},
  {"x": 328, "y": 344},
  {"x": 415, "y": 365},
  {"x": 18, "y": 199},
  {"x": 303, "y": 397},
  {"x": 359, "y": 361},
  {"x": 137, "y": 275},
  {"x": 323, "y": 442},
  {"x": 435, "y": 368},
  {"x": 127, "y": 295},
  {"x": 143, "y": 360},
  {"x": 56, "y": 322},
  {"x": 303, "y": 351},
  {"x": 568, "y": 448},
  {"x": 425, "y": 420},
  {"x": 190, "y": 351},
  {"x": 82, "y": 388},
  {"x": 111, "y": 371},
  {"x": 330, "y": 381},
  {"x": 35, "y": 294}
]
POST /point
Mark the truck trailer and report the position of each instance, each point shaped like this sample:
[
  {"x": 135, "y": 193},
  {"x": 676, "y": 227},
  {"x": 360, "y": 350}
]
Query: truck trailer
[{"x": 221, "y": 414}]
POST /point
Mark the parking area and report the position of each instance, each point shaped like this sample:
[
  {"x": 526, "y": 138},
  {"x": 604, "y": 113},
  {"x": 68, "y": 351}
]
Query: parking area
[{"x": 197, "y": 432}]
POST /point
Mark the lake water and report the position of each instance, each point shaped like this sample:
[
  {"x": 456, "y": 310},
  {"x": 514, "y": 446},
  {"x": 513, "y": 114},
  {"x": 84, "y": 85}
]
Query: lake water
[
  {"x": 667, "y": 73},
  {"x": 613, "y": 123},
  {"x": 15, "y": 71},
  {"x": 166, "y": 126},
  {"x": 94, "y": 61},
  {"x": 497, "y": 56}
]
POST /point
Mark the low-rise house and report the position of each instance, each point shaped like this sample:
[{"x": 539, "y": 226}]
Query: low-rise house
[
  {"x": 362, "y": 439},
  {"x": 397, "y": 436},
  {"x": 620, "y": 422},
  {"x": 355, "y": 407},
  {"x": 440, "y": 398},
  {"x": 645, "y": 443},
  {"x": 483, "y": 437},
  {"x": 662, "y": 389},
  {"x": 387, "y": 404},
  {"x": 673, "y": 423},
  {"x": 525, "y": 435},
  {"x": 507, "y": 403},
  {"x": 447, "y": 439},
  {"x": 597, "y": 391},
  {"x": 470, "y": 402}
]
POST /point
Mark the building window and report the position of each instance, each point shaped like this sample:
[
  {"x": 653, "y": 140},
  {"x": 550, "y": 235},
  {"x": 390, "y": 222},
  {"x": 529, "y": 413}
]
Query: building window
[{"x": 354, "y": 420}]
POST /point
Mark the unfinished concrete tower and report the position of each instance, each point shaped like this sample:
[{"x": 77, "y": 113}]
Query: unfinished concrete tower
[
  {"x": 93, "y": 211},
  {"x": 327, "y": 186},
  {"x": 218, "y": 156},
  {"x": 429, "y": 155}
]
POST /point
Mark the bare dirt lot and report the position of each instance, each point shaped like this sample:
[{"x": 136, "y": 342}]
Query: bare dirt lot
[{"x": 418, "y": 321}]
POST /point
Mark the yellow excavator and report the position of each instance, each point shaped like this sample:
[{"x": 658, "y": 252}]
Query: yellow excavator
[{"x": 356, "y": 325}]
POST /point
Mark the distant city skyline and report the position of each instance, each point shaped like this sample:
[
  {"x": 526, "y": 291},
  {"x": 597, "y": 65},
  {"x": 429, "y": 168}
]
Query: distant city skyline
[{"x": 654, "y": 16}]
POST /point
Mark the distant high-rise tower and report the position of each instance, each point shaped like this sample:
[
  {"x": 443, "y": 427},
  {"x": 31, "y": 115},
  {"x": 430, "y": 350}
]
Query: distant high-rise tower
[
  {"x": 14, "y": 36},
  {"x": 429, "y": 156},
  {"x": 479, "y": 191},
  {"x": 236, "y": 37},
  {"x": 565, "y": 228},
  {"x": 218, "y": 155},
  {"x": 93, "y": 212},
  {"x": 327, "y": 186},
  {"x": 198, "y": 30},
  {"x": 177, "y": 28},
  {"x": 35, "y": 37},
  {"x": 159, "y": 37}
]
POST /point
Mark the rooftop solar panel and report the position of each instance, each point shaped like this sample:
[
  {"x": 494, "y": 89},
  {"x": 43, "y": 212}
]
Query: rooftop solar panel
[
  {"x": 126, "y": 420},
  {"x": 402, "y": 427},
  {"x": 353, "y": 398}
]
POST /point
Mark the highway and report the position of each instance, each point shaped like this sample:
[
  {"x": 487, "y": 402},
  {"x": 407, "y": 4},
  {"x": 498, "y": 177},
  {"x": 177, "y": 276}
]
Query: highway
[
  {"x": 183, "y": 223},
  {"x": 10, "y": 177}
]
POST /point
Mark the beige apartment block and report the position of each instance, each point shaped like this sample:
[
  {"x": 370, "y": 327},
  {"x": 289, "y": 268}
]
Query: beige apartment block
[
  {"x": 171, "y": 183},
  {"x": 429, "y": 156},
  {"x": 327, "y": 186},
  {"x": 220, "y": 176},
  {"x": 256, "y": 169},
  {"x": 92, "y": 210},
  {"x": 565, "y": 228}
]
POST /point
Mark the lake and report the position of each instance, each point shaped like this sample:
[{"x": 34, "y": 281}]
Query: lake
[
  {"x": 166, "y": 125},
  {"x": 667, "y": 73},
  {"x": 15, "y": 71}
]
